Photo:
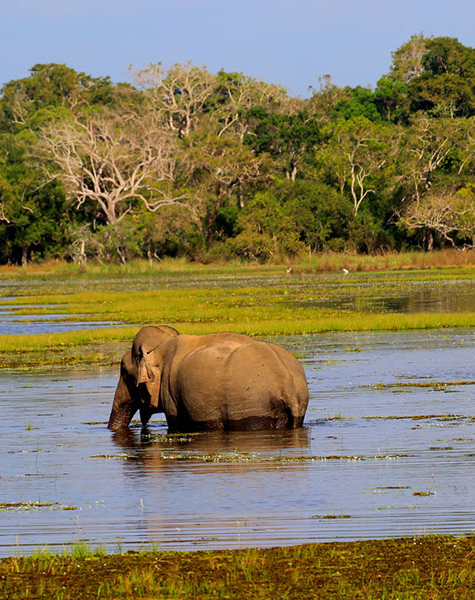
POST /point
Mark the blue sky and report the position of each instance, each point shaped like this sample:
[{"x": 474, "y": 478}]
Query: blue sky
[{"x": 289, "y": 42}]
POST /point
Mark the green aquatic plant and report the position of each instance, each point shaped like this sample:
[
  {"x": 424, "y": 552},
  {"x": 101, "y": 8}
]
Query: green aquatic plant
[
  {"x": 331, "y": 517},
  {"x": 391, "y": 487},
  {"x": 34, "y": 505},
  {"x": 246, "y": 457},
  {"x": 440, "y": 385},
  {"x": 30, "y": 504}
]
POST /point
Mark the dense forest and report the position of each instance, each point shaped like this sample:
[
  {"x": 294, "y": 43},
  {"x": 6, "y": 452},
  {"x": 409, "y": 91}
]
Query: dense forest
[{"x": 216, "y": 166}]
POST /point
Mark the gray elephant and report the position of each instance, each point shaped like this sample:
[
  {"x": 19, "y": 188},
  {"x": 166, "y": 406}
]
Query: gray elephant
[{"x": 208, "y": 382}]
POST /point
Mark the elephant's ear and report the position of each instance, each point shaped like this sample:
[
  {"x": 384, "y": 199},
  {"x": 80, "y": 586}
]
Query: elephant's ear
[
  {"x": 153, "y": 386},
  {"x": 150, "y": 374}
]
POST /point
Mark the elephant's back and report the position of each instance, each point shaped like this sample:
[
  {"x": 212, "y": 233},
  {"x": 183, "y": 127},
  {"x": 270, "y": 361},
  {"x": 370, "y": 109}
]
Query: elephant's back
[
  {"x": 269, "y": 378},
  {"x": 198, "y": 373},
  {"x": 232, "y": 380}
]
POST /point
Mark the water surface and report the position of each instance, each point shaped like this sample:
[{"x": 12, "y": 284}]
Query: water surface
[{"x": 388, "y": 449}]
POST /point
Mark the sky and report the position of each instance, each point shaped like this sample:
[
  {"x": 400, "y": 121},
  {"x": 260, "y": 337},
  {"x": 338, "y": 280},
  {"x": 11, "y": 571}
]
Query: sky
[{"x": 286, "y": 42}]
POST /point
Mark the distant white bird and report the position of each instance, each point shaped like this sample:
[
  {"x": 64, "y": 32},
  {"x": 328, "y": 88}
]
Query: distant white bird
[
  {"x": 345, "y": 271},
  {"x": 289, "y": 270}
]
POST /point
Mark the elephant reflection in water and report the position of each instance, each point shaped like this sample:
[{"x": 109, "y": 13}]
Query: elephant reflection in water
[
  {"x": 189, "y": 501},
  {"x": 152, "y": 450},
  {"x": 219, "y": 381}
]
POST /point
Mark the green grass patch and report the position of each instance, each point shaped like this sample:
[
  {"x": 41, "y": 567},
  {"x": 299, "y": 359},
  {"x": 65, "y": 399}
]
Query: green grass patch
[
  {"x": 195, "y": 304},
  {"x": 83, "y": 347},
  {"x": 413, "y": 568}
]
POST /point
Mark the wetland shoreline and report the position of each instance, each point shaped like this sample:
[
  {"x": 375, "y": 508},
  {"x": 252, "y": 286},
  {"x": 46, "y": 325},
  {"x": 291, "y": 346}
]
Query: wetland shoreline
[{"x": 436, "y": 567}]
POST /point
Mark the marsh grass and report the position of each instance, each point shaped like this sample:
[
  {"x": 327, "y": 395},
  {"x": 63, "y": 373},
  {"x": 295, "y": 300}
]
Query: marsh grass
[
  {"x": 246, "y": 457},
  {"x": 105, "y": 346},
  {"x": 388, "y": 261},
  {"x": 322, "y": 263},
  {"x": 303, "y": 304},
  {"x": 432, "y": 567}
]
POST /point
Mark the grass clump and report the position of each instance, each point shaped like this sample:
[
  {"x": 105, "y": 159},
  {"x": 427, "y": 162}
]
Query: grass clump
[{"x": 412, "y": 568}]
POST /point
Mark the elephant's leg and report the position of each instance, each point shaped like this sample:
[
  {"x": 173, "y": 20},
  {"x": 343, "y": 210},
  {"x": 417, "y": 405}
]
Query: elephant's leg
[{"x": 145, "y": 413}]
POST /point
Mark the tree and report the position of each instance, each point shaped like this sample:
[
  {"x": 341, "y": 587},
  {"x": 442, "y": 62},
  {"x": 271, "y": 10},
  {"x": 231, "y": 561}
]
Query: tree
[
  {"x": 446, "y": 95},
  {"x": 407, "y": 61},
  {"x": 447, "y": 55},
  {"x": 179, "y": 92},
  {"x": 31, "y": 210},
  {"x": 426, "y": 146},
  {"x": 265, "y": 230},
  {"x": 446, "y": 85},
  {"x": 113, "y": 160},
  {"x": 324, "y": 99},
  {"x": 358, "y": 101},
  {"x": 432, "y": 151},
  {"x": 235, "y": 99},
  {"x": 321, "y": 215},
  {"x": 445, "y": 212},
  {"x": 287, "y": 138},
  {"x": 355, "y": 154},
  {"x": 50, "y": 85},
  {"x": 217, "y": 169},
  {"x": 391, "y": 100}
]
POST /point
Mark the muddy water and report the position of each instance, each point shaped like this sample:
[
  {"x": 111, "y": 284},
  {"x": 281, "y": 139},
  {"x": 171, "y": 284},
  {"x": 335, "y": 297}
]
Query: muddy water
[{"x": 388, "y": 450}]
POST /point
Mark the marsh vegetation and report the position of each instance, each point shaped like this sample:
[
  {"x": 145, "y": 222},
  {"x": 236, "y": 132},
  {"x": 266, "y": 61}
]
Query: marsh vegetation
[
  {"x": 389, "y": 363},
  {"x": 440, "y": 568},
  {"x": 86, "y": 316}
]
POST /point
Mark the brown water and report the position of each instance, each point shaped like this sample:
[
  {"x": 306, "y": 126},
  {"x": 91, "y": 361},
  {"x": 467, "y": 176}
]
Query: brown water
[{"x": 380, "y": 455}]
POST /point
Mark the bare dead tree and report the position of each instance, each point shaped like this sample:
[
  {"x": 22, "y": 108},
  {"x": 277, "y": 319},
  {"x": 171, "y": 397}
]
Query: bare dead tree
[
  {"x": 425, "y": 147},
  {"x": 112, "y": 160},
  {"x": 178, "y": 92},
  {"x": 449, "y": 214}
]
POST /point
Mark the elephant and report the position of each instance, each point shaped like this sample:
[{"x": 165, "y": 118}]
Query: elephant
[{"x": 217, "y": 381}]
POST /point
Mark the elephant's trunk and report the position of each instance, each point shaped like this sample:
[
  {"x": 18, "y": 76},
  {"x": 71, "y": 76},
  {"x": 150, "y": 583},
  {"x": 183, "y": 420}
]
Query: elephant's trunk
[
  {"x": 123, "y": 408},
  {"x": 120, "y": 417}
]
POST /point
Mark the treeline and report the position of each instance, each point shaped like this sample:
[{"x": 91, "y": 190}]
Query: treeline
[{"x": 189, "y": 163}]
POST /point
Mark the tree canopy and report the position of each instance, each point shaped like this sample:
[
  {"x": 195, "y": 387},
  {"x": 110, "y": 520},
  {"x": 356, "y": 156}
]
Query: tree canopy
[{"x": 188, "y": 162}]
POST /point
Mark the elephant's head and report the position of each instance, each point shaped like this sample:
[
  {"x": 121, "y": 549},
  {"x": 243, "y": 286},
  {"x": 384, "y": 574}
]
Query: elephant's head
[{"x": 140, "y": 377}]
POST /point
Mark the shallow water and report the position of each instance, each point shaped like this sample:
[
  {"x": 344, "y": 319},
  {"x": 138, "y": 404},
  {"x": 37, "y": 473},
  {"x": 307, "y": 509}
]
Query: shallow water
[
  {"x": 11, "y": 324},
  {"x": 380, "y": 455}
]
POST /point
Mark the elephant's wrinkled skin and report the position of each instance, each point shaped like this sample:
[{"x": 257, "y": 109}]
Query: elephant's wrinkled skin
[{"x": 206, "y": 382}]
